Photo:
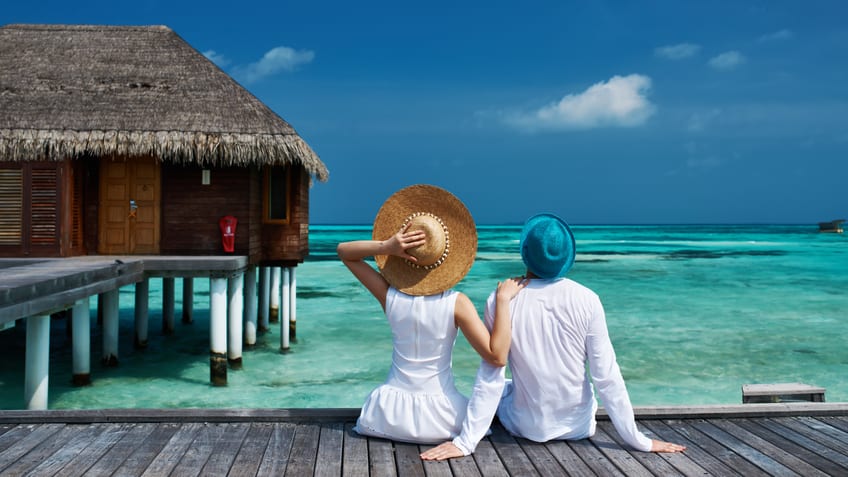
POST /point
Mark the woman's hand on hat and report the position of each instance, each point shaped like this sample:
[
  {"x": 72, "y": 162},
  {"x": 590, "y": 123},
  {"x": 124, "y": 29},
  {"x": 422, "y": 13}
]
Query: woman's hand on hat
[{"x": 403, "y": 241}]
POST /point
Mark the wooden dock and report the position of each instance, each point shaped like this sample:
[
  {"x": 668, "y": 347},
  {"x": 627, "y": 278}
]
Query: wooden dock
[{"x": 807, "y": 439}]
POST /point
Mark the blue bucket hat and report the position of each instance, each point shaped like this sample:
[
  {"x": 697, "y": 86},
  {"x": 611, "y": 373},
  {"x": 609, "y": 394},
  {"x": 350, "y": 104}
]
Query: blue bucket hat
[{"x": 547, "y": 246}]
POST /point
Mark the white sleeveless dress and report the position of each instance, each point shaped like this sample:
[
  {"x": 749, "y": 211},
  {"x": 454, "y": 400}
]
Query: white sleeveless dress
[{"x": 418, "y": 402}]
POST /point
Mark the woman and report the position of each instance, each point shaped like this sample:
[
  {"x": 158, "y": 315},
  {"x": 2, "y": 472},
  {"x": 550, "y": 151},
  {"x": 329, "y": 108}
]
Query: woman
[{"x": 424, "y": 243}]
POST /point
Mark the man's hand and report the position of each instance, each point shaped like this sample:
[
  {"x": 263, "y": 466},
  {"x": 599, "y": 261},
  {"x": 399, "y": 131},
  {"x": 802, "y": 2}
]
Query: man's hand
[
  {"x": 445, "y": 450},
  {"x": 660, "y": 446}
]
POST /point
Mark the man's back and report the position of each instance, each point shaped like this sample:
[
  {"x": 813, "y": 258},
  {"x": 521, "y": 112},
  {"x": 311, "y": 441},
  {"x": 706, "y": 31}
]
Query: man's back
[
  {"x": 558, "y": 326},
  {"x": 551, "y": 396}
]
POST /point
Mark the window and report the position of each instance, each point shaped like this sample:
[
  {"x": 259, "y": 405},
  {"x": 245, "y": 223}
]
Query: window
[
  {"x": 275, "y": 204},
  {"x": 11, "y": 213}
]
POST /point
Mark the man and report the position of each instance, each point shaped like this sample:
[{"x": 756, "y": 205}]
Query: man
[{"x": 558, "y": 326}]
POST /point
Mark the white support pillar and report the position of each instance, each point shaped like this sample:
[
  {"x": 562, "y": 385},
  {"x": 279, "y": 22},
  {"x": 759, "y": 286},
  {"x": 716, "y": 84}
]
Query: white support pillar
[
  {"x": 293, "y": 305},
  {"x": 264, "y": 298},
  {"x": 37, "y": 361},
  {"x": 142, "y": 297},
  {"x": 250, "y": 317},
  {"x": 286, "y": 309},
  {"x": 168, "y": 305},
  {"x": 275, "y": 295},
  {"x": 188, "y": 300},
  {"x": 111, "y": 307},
  {"x": 218, "y": 331},
  {"x": 81, "y": 336},
  {"x": 235, "y": 295}
]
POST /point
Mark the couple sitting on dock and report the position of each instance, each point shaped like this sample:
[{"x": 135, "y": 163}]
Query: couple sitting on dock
[{"x": 549, "y": 327}]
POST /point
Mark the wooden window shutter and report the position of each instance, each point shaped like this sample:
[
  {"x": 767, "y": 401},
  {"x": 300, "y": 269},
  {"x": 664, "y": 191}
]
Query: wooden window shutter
[
  {"x": 45, "y": 207},
  {"x": 11, "y": 214}
]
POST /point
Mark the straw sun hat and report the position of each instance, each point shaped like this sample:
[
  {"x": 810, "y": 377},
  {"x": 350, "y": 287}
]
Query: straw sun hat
[{"x": 451, "y": 239}]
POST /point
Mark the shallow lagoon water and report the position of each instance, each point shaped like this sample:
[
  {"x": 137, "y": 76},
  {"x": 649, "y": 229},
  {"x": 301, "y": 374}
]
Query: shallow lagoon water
[{"x": 694, "y": 313}]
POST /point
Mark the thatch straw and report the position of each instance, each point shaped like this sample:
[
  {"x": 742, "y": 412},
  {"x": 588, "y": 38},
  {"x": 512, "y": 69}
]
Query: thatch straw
[{"x": 74, "y": 90}]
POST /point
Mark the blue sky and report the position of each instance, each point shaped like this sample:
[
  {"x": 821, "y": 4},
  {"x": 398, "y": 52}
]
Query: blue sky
[{"x": 605, "y": 112}]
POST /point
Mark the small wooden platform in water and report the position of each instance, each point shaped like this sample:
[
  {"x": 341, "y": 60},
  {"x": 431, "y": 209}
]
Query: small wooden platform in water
[{"x": 754, "y": 439}]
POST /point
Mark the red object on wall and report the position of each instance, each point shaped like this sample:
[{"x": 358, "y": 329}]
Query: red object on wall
[{"x": 227, "y": 224}]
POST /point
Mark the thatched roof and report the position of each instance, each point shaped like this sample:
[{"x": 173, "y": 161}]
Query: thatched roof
[{"x": 72, "y": 90}]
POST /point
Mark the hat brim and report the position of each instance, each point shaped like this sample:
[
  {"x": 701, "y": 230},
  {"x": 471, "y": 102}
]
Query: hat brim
[{"x": 462, "y": 234}]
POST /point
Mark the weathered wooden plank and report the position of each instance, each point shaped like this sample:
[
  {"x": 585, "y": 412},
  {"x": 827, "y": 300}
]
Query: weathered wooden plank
[
  {"x": 97, "y": 448},
  {"x": 408, "y": 460},
  {"x": 252, "y": 449},
  {"x": 381, "y": 457},
  {"x": 828, "y": 429},
  {"x": 568, "y": 459},
  {"x": 619, "y": 456},
  {"x": 30, "y": 437},
  {"x": 815, "y": 454},
  {"x": 699, "y": 456},
  {"x": 138, "y": 461},
  {"x": 488, "y": 460},
  {"x": 225, "y": 449},
  {"x": 434, "y": 468},
  {"x": 118, "y": 453},
  {"x": 14, "y": 435},
  {"x": 837, "y": 422},
  {"x": 44, "y": 450},
  {"x": 196, "y": 455},
  {"x": 168, "y": 458},
  {"x": 276, "y": 457},
  {"x": 511, "y": 454},
  {"x": 822, "y": 433},
  {"x": 593, "y": 457},
  {"x": 82, "y": 437},
  {"x": 765, "y": 447},
  {"x": 354, "y": 453},
  {"x": 329, "y": 458},
  {"x": 542, "y": 459},
  {"x": 657, "y": 464},
  {"x": 752, "y": 454},
  {"x": 690, "y": 429},
  {"x": 303, "y": 451},
  {"x": 5, "y": 427},
  {"x": 464, "y": 466}
]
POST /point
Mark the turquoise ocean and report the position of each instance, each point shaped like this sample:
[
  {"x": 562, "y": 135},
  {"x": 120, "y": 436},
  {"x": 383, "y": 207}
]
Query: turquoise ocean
[{"x": 694, "y": 312}]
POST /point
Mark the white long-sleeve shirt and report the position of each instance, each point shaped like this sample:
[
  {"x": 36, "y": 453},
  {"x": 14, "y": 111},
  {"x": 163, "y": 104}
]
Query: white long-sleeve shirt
[{"x": 557, "y": 327}]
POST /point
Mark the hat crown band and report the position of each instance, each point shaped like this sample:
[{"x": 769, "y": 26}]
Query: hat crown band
[{"x": 435, "y": 249}]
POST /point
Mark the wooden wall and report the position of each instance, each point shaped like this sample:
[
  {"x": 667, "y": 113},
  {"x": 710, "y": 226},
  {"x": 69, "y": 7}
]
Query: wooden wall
[{"x": 288, "y": 244}]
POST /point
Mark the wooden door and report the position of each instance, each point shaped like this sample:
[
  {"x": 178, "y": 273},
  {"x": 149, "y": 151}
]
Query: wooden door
[{"x": 129, "y": 206}]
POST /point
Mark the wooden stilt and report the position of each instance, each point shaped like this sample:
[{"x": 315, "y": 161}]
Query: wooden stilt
[
  {"x": 168, "y": 305},
  {"x": 81, "y": 323},
  {"x": 293, "y": 305},
  {"x": 235, "y": 295},
  {"x": 188, "y": 300},
  {"x": 37, "y": 361},
  {"x": 142, "y": 296},
  {"x": 285, "y": 307},
  {"x": 264, "y": 298},
  {"x": 275, "y": 295},
  {"x": 111, "y": 307},
  {"x": 250, "y": 316},
  {"x": 218, "y": 331}
]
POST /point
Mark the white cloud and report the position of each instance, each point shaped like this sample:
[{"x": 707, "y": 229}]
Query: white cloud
[
  {"x": 677, "y": 52},
  {"x": 727, "y": 60},
  {"x": 778, "y": 35},
  {"x": 281, "y": 58},
  {"x": 699, "y": 121},
  {"x": 619, "y": 102},
  {"x": 214, "y": 57}
]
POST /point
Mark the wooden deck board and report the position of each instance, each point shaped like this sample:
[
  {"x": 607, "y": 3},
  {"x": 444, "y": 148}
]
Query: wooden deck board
[{"x": 255, "y": 444}]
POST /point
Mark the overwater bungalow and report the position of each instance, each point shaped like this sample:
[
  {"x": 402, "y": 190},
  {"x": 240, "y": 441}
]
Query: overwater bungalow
[
  {"x": 126, "y": 140},
  {"x": 126, "y": 154},
  {"x": 834, "y": 226}
]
